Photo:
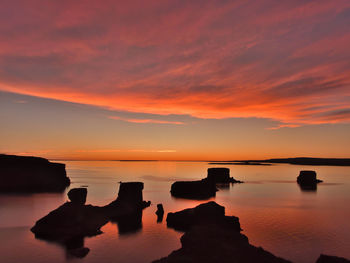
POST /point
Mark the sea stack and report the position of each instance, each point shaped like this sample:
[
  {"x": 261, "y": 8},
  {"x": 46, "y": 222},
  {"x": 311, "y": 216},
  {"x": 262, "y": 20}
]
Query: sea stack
[
  {"x": 308, "y": 177},
  {"x": 220, "y": 175}
]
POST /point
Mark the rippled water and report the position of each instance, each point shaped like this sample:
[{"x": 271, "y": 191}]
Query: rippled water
[{"x": 273, "y": 212}]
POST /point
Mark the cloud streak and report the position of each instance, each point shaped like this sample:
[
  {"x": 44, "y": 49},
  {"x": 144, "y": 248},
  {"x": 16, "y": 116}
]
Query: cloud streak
[{"x": 287, "y": 61}]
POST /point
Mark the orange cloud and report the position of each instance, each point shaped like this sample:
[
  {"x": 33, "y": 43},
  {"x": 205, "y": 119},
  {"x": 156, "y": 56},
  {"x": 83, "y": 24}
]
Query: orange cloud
[
  {"x": 146, "y": 120},
  {"x": 288, "y": 62}
]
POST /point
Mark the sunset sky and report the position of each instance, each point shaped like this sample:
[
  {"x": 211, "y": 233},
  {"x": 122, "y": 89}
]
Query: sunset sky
[{"x": 175, "y": 80}]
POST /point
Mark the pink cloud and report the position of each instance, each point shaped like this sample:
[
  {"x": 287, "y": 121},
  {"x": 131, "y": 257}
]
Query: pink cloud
[{"x": 208, "y": 59}]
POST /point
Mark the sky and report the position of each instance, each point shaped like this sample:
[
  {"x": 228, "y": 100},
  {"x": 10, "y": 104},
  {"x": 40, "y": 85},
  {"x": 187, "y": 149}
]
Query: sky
[{"x": 175, "y": 80}]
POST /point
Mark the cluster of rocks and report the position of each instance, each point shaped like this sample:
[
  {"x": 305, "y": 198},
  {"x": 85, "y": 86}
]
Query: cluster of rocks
[
  {"x": 31, "y": 174},
  {"x": 211, "y": 236},
  {"x": 74, "y": 220},
  {"x": 205, "y": 188}
]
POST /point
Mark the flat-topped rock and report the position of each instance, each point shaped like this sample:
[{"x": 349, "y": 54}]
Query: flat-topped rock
[
  {"x": 31, "y": 174},
  {"x": 220, "y": 175},
  {"x": 202, "y": 189},
  {"x": 308, "y": 177}
]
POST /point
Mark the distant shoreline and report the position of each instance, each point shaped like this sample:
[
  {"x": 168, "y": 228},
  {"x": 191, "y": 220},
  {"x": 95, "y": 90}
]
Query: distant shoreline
[{"x": 294, "y": 161}]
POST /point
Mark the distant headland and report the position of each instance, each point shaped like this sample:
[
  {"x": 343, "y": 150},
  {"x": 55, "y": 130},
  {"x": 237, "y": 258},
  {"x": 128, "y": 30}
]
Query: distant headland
[{"x": 297, "y": 161}]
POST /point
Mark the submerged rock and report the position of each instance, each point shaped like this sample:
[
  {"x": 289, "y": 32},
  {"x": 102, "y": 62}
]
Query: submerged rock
[
  {"x": 73, "y": 221},
  {"x": 221, "y": 176},
  {"x": 331, "y": 259},
  {"x": 202, "y": 189},
  {"x": 31, "y": 174},
  {"x": 213, "y": 237}
]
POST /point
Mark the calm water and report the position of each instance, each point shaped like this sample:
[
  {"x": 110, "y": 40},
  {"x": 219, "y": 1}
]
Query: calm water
[{"x": 273, "y": 212}]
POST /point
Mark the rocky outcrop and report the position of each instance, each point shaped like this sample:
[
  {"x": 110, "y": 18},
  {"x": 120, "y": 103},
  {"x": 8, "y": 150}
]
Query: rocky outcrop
[
  {"x": 202, "y": 189},
  {"x": 307, "y": 180},
  {"x": 331, "y": 259},
  {"x": 213, "y": 237},
  {"x": 221, "y": 176},
  {"x": 205, "y": 188},
  {"x": 71, "y": 222},
  {"x": 31, "y": 174}
]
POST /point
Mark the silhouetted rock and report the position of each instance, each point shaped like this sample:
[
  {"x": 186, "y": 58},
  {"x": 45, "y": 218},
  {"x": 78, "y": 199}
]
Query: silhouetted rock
[
  {"x": 213, "y": 237},
  {"x": 73, "y": 221},
  {"x": 131, "y": 192},
  {"x": 331, "y": 259},
  {"x": 220, "y": 176},
  {"x": 209, "y": 212},
  {"x": 202, "y": 189},
  {"x": 77, "y": 195},
  {"x": 160, "y": 213},
  {"x": 31, "y": 174},
  {"x": 308, "y": 181}
]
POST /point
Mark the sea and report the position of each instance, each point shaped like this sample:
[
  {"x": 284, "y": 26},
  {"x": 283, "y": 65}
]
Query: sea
[{"x": 274, "y": 212}]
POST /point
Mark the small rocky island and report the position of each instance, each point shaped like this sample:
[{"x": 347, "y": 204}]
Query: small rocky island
[
  {"x": 22, "y": 174},
  {"x": 205, "y": 188},
  {"x": 70, "y": 223},
  {"x": 307, "y": 180},
  {"x": 211, "y": 236}
]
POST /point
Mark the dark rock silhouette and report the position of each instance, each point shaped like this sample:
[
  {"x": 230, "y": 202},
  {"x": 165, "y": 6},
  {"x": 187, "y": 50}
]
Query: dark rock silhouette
[
  {"x": 331, "y": 259},
  {"x": 73, "y": 221},
  {"x": 202, "y": 189},
  {"x": 31, "y": 174},
  {"x": 307, "y": 180},
  {"x": 220, "y": 176},
  {"x": 213, "y": 237},
  {"x": 205, "y": 188},
  {"x": 160, "y": 213},
  {"x": 77, "y": 195}
]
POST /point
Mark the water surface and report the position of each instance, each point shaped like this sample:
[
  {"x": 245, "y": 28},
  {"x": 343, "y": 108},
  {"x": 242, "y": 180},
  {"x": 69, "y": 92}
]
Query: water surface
[{"x": 274, "y": 212}]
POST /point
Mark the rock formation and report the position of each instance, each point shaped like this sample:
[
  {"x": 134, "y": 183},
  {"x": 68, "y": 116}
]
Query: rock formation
[
  {"x": 307, "y": 180},
  {"x": 71, "y": 222},
  {"x": 220, "y": 176},
  {"x": 205, "y": 188},
  {"x": 202, "y": 189},
  {"x": 213, "y": 237},
  {"x": 160, "y": 213},
  {"x": 31, "y": 174}
]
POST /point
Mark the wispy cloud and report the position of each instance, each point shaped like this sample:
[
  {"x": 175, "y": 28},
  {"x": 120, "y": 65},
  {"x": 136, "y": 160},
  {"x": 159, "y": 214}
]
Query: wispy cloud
[{"x": 155, "y": 121}]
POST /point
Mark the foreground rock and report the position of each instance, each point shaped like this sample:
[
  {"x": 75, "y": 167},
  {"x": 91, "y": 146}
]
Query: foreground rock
[
  {"x": 331, "y": 259},
  {"x": 31, "y": 174},
  {"x": 213, "y": 237},
  {"x": 308, "y": 180},
  {"x": 71, "y": 222},
  {"x": 205, "y": 188}
]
